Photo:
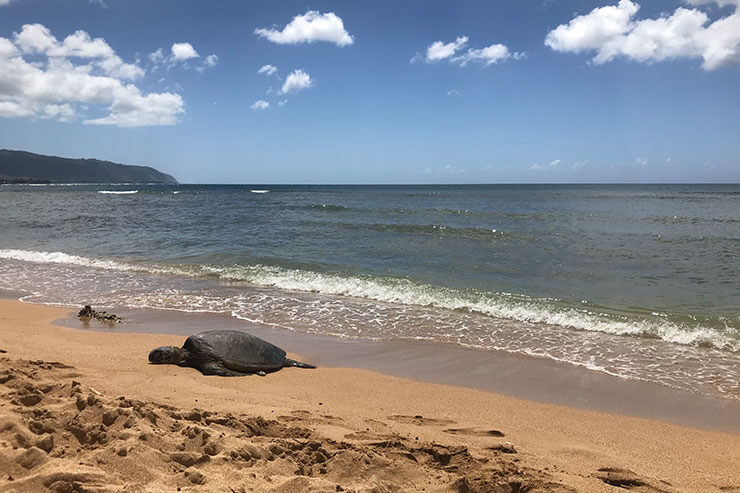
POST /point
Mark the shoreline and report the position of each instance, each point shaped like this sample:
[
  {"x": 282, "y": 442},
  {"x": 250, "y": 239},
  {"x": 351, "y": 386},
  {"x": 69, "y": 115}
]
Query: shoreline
[
  {"x": 386, "y": 418},
  {"x": 524, "y": 377}
]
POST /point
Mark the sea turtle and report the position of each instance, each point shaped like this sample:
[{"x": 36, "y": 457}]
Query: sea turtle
[{"x": 228, "y": 353}]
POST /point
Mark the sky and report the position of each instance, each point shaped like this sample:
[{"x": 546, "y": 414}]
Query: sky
[{"x": 418, "y": 91}]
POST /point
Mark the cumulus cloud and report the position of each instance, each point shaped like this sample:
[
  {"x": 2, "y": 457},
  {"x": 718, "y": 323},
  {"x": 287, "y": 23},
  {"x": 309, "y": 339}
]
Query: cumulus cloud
[
  {"x": 62, "y": 112},
  {"x": 439, "y": 50},
  {"x": 454, "y": 52},
  {"x": 612, "y": 32},
  {"x": 4, "y": 2},
  {"x": 183, "y": 51},
  {"x": 181, "y": 54},
  {"x": 308, "y": 28},
  {"x": 487, "y": 56},
  {"x": 267, "y": 69},
  {"x": 260, "y": 105},
  {"x": 73, "y": 74},
  {"x": 298, "y": 80},
  {"x": 37, "y": 39}
]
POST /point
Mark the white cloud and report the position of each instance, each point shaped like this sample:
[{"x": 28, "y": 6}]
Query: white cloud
[
  {"x": 211, "y": 61},
  {"x": 181, "y": 54},
  {"x": 267, "y": 69},
  {"x": 452, "y": 51},
  {"x": 283, "y": 102},
  {"x": 260, "y": 105},
  {"x": 157, "y": 56},
  {"x": 100, "y": 2},
  {"x": 453, "y": 92},
  {"x": 308, "y": 28},
  {"x": 37, "y": 39},
  {"x": 183, "y": 51},
  {"x": 4, "y": 2},
  {"x": 74, "y": 74},
  {"x": 7, "y": 48},
  {"x": 439, "y": 50},
  {"x": 554, "y": 164},
  {"x": 487, "y": 56},
  {"x": 298, "y": 80},
  {"x": 10, "y": 109},
  {"x": 62, "y": 112},
  {"x": 612, "y": 31}
]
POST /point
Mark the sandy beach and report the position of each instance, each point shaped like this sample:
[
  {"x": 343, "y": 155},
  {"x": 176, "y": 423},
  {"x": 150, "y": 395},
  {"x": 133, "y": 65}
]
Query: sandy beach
[{"x": 84, "y": 411}]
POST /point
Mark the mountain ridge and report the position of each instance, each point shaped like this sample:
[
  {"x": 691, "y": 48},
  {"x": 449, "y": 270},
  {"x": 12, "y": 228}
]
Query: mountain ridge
[{"x": 28, "y": 167}]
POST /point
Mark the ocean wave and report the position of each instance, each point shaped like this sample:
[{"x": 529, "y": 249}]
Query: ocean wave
[
  {"x": 407, "y": 292},
  {"x": 438, "y": 211},
  {"x": 421, "y": 229},
  {"x": 62, "y": 258},
  {"x": 326, "y": 207},
  {"x": 118, "y": 192}
]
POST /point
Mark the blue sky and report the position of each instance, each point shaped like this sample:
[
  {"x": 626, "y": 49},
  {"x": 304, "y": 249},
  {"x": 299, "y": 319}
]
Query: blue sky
[{"x": 379, "y": 91}]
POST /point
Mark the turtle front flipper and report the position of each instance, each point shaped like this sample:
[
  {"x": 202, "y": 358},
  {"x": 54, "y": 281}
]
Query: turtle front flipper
[
  {"x": 297, "y": 364},
  {"x": 217, "y": 368}
]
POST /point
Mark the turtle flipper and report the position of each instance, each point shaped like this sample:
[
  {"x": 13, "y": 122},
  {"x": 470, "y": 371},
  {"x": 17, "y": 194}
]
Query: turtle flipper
[
  {"x": 216, "y": 368},
  {"x": 291, "y": 362}
]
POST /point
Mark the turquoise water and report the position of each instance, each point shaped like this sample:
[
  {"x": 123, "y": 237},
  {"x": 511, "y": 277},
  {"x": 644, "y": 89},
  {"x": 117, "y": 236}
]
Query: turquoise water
[{"x": 636, "y": 281}]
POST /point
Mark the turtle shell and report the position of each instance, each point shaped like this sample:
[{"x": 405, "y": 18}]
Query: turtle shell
[{"x": 237, "y": 350}]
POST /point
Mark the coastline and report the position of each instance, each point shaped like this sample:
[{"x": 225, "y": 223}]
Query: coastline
[
  {"x": 524, "y": 377},
  {"x": 558, "y": 448}
]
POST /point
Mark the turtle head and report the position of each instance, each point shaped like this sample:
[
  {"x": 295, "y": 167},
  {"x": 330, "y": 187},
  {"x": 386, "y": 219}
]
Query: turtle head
[{"x": 167, "y": 355}]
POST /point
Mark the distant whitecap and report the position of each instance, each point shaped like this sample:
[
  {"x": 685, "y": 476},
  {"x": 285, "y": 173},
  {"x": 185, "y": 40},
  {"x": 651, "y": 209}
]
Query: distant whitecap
[
  {"x": 259, "y": 191},
  {"x": 118, "y": 192}
]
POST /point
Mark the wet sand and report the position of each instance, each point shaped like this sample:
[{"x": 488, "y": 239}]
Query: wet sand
[
  {"x": 83, "y": 410},
  {"x": 536, "y": 379}
]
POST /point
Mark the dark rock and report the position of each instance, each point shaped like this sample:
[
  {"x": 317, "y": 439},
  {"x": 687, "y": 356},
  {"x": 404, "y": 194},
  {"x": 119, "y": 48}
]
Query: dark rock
[{"x": 87, "y": 314}]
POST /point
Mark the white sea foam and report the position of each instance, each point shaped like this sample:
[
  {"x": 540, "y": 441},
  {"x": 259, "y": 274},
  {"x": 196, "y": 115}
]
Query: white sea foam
[
  {"x": 259, "y": 191},
  {"x": 118, "y": 192},
  {"x": 61, "y": 258},
  {"x": 405, "y": 292},
  {"x": 513, "y": 307}
]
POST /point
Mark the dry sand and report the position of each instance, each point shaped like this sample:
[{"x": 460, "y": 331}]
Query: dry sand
[{"x": 84, "y": 411}]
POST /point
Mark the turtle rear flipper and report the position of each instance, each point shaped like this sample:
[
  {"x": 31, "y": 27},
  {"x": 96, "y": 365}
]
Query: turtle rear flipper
[{"x": 291, "y": 362}]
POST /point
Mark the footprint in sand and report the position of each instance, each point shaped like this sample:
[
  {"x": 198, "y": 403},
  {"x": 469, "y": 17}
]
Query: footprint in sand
[
  {"x": 628, "y": 480},
  {"x": 474, "y": 432},
  {"x": 420, "y": 420},
  {"x": 364, "y": 436},
  {"x": 308, "y": 417}
]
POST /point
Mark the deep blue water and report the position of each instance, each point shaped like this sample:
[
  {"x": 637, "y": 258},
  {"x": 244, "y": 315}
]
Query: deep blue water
[{"x": 640, "y": 281}]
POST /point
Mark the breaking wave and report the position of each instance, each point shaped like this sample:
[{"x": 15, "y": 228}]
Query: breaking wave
[{"x": 392, "y": 290}]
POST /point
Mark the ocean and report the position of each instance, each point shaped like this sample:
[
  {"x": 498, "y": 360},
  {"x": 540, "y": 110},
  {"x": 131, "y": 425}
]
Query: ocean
[{"x": 637, "y": 281}]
